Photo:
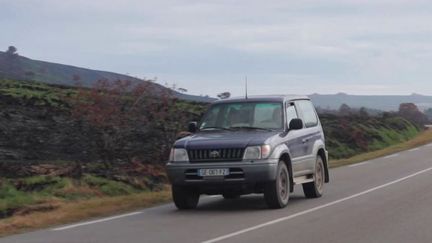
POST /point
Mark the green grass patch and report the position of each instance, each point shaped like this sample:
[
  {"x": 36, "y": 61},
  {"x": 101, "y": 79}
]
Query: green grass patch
[
  {"x": 109, "y": 187},
  {"x": 422, "y": 138},
  {"x": 12, "y": 199},
  {"x": 350, "y": 136},
  {"x": 39, "y": 93},
  {"x": 19, "y": 193}
]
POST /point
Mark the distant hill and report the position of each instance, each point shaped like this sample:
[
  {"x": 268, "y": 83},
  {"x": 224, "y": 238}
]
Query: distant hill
[
  {"x": 17, "y": 67},
  {"x": 22, "y": 68},
  {"x": 379, "y": 102}
]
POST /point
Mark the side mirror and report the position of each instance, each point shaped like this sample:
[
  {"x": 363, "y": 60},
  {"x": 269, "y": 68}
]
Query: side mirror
[
  {"x": 193, "y": 127},
  {"x": 295, "y": 124}
]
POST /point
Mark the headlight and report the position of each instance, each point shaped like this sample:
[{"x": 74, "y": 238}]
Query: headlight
[
  {"x": 257, "y": 152},
  {"x": 178, "y": 154}
]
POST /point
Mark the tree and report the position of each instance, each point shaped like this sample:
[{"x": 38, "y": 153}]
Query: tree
[
  {"x": 183, "y": 90},
  {"x": 411, "y": 112},
  {"x": 344, "y": 110},
  {"x": 10, "y": 64},
  {"x": 224, "y": 95},
  {"x": 11, "y": 51}
]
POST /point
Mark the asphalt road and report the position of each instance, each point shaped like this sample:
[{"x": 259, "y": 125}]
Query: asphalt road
[{"x": 383, "y": 200}]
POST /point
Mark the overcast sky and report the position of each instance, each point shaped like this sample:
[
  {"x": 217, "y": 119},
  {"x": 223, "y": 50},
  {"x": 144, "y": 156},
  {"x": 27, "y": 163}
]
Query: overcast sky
[{"x": 293, "y": 47}]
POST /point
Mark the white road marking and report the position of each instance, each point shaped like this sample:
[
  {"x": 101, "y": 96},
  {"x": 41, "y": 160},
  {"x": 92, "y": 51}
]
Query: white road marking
[
  {"x": 391, "y": 156},
  {"x": 95, "y": 221},
  {"x": 233, "y": 234},
  {"x": 414, "y": 149},
  {"x": 358, "y": 164}
]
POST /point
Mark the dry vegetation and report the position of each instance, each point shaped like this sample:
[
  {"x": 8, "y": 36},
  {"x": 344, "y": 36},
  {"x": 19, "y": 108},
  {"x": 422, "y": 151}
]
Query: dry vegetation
[{"x": 67, "y": 212}]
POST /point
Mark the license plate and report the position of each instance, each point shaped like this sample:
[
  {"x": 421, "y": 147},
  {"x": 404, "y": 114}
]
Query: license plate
[{"x": 213, "y": 172}]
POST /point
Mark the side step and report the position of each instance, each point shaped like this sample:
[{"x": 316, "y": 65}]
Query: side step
[{"x": 303, "y": 179}]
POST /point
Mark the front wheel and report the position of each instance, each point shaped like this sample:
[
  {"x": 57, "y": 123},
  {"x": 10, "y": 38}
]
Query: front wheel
[
  {"x": 315, "y": 189},
  {"x": 276, "y": 193},
  {"x": 184, "y": 197}
]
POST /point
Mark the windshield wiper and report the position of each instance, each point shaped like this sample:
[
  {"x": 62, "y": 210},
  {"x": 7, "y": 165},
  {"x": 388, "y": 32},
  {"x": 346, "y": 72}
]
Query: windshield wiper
[
  {"x": 252, "y": 128},
  {"x": 216, "y": 128}
]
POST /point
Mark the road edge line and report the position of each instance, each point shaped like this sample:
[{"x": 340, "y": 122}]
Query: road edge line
[
  {"x": 95, "y": 221},
  {"x": 236, "y": 233}
]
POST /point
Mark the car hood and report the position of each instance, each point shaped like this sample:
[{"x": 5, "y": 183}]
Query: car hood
[{"x": 224, "y": 139}]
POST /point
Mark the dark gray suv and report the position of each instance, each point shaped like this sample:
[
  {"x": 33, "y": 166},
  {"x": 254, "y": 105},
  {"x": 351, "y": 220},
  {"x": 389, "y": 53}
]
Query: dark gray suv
[{"x": 262, "y": 144}]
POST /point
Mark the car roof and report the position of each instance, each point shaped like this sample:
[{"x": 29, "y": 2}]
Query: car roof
[{"x": 266, "y": 98}]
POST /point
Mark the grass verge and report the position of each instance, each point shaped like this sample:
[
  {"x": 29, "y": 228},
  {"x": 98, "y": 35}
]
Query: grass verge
[
  {"x": 424, "y": 137},
  {"x": 68, "y": 212}
]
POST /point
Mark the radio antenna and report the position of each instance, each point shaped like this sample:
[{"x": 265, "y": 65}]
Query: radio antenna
[{"x": 246, "y": 88}]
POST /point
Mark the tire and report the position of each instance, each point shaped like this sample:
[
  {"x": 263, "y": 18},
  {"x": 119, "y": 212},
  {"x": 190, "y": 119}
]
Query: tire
[
  {"x": 230, "y": 196},
  {"x": 315, "y": 189},
  {"x": 185, "y": 198},
  {"x": 276, "y": 193}
]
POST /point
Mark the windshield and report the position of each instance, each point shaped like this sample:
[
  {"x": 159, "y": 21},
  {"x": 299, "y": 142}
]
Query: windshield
[{"x": 254, "y": 115}]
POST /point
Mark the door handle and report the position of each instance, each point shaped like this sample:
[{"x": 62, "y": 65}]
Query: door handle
[{"x": 305, "y": 140}]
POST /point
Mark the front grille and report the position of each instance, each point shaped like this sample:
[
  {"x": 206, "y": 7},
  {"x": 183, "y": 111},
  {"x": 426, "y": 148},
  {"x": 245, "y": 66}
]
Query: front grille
[{"x": 215, "y": 155}]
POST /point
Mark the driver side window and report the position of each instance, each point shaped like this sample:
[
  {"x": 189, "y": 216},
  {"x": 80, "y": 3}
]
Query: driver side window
[{"x": 291, "y": 113}]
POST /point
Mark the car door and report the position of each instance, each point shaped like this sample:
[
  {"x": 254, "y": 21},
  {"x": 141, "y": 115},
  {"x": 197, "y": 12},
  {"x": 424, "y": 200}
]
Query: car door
[
  {"x": 295, "y": 141},
  {"x": 311, "y": 133}
]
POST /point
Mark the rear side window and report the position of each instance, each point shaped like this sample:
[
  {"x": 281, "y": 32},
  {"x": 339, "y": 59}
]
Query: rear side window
[
  {"x": 291, "y": 113},
  {"x": 308, "y": 111}
]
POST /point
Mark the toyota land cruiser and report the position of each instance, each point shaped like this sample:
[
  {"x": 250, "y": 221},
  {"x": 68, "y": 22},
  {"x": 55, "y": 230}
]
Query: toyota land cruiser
[{"x": 261, "y": 144}]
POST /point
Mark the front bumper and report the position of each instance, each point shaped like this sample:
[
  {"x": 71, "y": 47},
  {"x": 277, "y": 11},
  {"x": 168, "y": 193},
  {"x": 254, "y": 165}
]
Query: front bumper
[{"x": 243, "y": 175}]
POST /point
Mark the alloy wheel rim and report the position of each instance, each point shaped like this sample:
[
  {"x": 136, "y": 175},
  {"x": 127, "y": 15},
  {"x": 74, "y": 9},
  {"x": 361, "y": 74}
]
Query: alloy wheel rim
[
  {"x": 319, "y": 177},
  {"x": 283, "y": 185}
]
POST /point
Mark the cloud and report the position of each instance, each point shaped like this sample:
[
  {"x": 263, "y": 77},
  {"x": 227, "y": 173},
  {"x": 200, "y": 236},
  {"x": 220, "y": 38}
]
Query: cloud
[{"x": 318, "y": 45}]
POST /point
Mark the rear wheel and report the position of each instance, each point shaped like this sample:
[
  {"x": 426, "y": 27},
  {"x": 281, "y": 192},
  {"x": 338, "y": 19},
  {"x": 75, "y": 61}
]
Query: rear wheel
[
  {"x": 315, "y": 189},
  {"x": 184, "y": 197},
  {"x": 276, "y": 193}
]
